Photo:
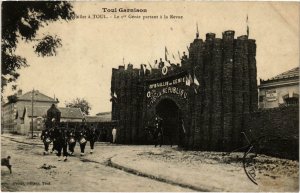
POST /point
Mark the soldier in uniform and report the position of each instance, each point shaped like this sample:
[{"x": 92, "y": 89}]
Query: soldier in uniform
[
  {"x": 61, "y": 137},
  {"x": 182, "y": 132},
  {"x": 71, "y": 140},
  {"x": 92, "y": 137},
  {"x": 158, "y": 132},
  {"x": 46, "y": 138},
  {"x": 82, "y": 138},
  {"x": 53, "y": 132}
]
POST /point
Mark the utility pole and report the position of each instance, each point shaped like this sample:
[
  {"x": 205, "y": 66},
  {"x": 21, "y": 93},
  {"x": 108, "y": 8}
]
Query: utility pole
[{"x": 32, "y": 112}]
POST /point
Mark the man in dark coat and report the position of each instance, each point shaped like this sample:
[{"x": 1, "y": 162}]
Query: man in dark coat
[
  {"x": 82, "y": 138},
  {"x": 53, "y": 126},
  {"x": 61, "y": 138},
  {"x": 158, "y": 131},
  {"x": 71, "y": 140},
  {"x": 92, "y": 137},
  {"x": 46, "y": 138}
]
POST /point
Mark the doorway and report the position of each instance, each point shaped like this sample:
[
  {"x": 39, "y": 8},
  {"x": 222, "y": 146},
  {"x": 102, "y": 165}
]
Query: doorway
[{"x": 170, "y": 113}]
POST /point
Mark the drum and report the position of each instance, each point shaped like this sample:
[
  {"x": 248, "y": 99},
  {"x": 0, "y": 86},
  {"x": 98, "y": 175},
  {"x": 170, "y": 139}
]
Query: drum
[
  {"x": 82, "y": 140},
  {"x": 47, "y": 140},
  {"x": 71, "y": 140}
]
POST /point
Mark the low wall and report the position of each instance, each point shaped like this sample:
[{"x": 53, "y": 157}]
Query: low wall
[{"x": 281, "y": 128}]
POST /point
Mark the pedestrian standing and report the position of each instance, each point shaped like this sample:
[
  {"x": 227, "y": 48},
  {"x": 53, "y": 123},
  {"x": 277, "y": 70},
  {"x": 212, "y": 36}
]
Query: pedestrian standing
[
  {"x": 158, "y": 131},
  {"x": 114, "y": 134}
]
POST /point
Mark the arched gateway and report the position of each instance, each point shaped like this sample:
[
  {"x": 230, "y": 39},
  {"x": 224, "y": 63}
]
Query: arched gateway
[
  {"x": 171, "y": 116},
  {"x": 212, "y": 92}
]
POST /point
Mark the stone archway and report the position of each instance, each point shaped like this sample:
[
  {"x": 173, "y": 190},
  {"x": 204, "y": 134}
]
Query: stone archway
[{"x": 171, "y": 114}]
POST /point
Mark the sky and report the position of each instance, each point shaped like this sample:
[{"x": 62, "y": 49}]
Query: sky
[{"x": 92, "y": 47}]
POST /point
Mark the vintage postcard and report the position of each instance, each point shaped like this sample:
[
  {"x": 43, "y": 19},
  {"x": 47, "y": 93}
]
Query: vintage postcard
[{"x": 149, "y": 96}]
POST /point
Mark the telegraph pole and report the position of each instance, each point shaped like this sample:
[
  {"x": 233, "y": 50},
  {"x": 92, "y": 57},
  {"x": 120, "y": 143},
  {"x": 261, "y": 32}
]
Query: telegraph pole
[{"x": 32, "y": 112}]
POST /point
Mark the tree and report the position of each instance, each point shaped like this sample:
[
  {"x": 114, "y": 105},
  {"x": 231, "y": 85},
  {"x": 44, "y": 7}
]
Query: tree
[
  {"x": 22, "y": 20},
  {"x": 83, "y": 104}
]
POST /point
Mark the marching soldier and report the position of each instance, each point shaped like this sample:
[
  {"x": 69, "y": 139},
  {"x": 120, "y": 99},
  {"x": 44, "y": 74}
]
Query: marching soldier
[
  {"x": 92, "y": 137},
  {"x": 53, "y": 127},
  {"x": 71, "y": 140},
  {"x": 82, "y": 138},
  {"x": 60, "y": 135},
  {"x": 46, "y": 138}
]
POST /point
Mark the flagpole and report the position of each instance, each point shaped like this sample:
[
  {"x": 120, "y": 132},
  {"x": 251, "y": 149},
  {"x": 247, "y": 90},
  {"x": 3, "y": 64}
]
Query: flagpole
[{"x": 247, "y": 26}]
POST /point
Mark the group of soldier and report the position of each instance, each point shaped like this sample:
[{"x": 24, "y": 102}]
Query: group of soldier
[{"x": 64, "y": 139}]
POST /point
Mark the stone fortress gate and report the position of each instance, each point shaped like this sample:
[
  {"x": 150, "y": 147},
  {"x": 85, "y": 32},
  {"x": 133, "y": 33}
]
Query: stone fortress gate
[{"x": 212, "y": 92}]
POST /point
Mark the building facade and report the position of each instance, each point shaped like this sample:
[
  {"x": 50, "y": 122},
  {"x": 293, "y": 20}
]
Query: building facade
[
  {"x": 204, "y": 102},
  {"x": 281, "y": 90},
  {"x": 13, "y": 110},
  {"x": 20, "y": 113}
]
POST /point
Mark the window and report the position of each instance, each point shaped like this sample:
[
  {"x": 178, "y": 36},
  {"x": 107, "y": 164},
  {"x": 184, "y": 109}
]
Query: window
[
  {"x": 261, "y": 98},
  {"x": 294, "y": 100}
]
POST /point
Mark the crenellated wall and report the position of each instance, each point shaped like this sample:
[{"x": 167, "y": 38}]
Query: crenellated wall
[{"x": 214, "y": 113}]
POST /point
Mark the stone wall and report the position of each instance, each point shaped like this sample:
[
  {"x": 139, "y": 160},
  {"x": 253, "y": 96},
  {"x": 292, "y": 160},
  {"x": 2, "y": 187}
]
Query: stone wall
[{"x": 280, "y": 126}]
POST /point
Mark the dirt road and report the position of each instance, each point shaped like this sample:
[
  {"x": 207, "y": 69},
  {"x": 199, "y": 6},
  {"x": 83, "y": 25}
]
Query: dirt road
[{"x": 77, "y": 174}]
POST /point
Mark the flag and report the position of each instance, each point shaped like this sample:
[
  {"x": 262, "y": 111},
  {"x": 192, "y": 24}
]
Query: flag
[
  {"x": 166, "y": 53},
  {"x": 144, "y": 68},
  {"x": 195, "y": 89},
  {"x": 150, "y": 65},
  {"x": 191, "y": 79},
  {"x": 187, "y": 81},
  {"x": 196, "y": 82},
  {"x": 114, "y": 97}
]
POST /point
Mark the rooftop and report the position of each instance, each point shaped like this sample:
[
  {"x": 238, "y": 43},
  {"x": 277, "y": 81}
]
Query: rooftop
[
  {"x": 66, "y": 112},
  {"x": 38, "y": 96},
  {"x": 290, "y": 74}
]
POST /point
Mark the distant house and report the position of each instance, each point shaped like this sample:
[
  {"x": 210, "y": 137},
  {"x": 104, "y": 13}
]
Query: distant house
[
  {"x": 17, "y": 114},
  {"x": 69, "y": 114},
  {"x": 13, "y": 109},
  {"x": 281, "y": 90},
  {"x": 100, "y": 117},
  {"x": 103, "y": 123}
]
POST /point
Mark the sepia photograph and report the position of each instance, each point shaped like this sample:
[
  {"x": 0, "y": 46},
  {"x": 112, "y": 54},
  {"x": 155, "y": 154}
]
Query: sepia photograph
[{"x": 150, "y": 96}]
